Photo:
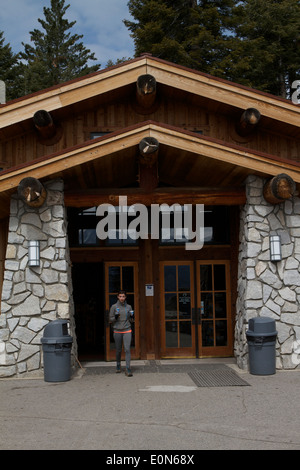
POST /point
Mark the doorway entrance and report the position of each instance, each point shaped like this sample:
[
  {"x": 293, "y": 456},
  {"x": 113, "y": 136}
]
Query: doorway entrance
[
  {"x": 178, "y": 334},
  {"x": 195, "y": 309},
  {"x": 95, "y": 288},
  {"x": 124, "y": 276},
  {"x": 88, "y": 296}
]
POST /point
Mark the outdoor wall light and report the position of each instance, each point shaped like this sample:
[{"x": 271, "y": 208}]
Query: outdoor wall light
[
  {"x": 34, "y": 253},
  {"x": 275, "y": 248}
]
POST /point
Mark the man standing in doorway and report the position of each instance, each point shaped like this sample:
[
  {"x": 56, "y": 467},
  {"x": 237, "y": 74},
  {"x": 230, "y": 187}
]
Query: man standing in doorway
[{"x": 121, "y": 315}]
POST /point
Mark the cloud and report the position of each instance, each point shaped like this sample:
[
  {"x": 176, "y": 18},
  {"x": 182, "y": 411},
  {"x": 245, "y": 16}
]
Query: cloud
[
  {"x": 17, "y": 18},
  {"x": 100, "y": 22},
  {"x": 104, "y": 30}
]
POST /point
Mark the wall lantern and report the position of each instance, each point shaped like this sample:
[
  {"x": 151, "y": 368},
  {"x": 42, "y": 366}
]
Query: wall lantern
[
  {"x": 275, "y": 248},
  {"x": 34, "y": 253}
]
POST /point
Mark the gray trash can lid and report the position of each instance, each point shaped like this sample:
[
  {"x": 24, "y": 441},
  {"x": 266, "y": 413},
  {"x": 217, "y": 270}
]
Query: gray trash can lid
[
  {"x": 261, "y": 326},
  {"x": 57, "y": 332}
]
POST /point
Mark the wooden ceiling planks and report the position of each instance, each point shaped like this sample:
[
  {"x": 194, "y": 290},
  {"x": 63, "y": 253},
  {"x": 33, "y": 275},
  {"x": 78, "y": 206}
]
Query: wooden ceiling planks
[{"x": 182, "y": 149}]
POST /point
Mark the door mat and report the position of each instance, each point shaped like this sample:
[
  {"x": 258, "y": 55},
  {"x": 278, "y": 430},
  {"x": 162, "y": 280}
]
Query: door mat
[{"x": 216, "y": 378}]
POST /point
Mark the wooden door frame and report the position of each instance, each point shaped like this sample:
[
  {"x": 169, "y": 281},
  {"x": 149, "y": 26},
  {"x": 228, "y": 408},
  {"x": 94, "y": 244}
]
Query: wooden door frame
[
  {"x": 197, "y": 350},
  {"x": 176, "y": 352},
  {"x": 215, "y": 351},
  {"x": 110, "y": 355}
]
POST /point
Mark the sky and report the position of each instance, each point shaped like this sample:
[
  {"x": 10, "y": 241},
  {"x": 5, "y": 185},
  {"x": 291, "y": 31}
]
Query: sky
[{"x": 100, "y": 22}]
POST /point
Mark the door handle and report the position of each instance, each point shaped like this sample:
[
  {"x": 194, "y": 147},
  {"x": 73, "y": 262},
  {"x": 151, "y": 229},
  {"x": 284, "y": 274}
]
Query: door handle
[
  {"x": 193, "y": 316},
  {"x": 199, "y": 315},
  {"x": 196, "y": 317}
]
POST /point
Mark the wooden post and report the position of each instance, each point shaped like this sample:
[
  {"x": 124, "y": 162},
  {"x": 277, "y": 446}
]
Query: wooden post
[
  {"x": 148, "y": 148},
  {"x": 48, "y": 132},
  {"x": 248, "y": 122},
  {"x": 147, "y": 315},
  {"x": 148, "y": 169},
  {"x": 146, "y": 96},
  {"x": 232, "y": 196},
  {"x": 279, "y": 189},
  {"x": 32, "y": 192}
]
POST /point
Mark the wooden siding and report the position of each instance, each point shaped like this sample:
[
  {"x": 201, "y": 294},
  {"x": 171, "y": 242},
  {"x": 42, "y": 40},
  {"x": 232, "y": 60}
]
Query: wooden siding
[{"x": 112, "y": 116}]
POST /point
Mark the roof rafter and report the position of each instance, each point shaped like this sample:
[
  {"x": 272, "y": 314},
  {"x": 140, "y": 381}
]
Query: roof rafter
[
  {"x": 166, "y": 73},
  {"x": 199, "y": 146}
]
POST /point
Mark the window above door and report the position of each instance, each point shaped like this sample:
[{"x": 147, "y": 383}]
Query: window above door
[{"x": 82, "y": 223}]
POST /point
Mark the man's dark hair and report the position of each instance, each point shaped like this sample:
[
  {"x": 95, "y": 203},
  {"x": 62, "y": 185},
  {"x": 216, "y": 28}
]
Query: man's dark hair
[{"x": 122, "y": 292}]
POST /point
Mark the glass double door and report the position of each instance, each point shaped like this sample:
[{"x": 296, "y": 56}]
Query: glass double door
[{"x": 195, "y": 309}]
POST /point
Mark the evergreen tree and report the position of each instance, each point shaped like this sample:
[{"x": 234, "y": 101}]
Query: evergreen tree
[
  {"x": 56, "y": 56},
  {"x": 111, "y": 63},
  {"x": 187, "y": 32},
  {"x": 9, "y": 69},
  {"x": 265, "y": 52},
  {"x": 252, "y": 42}
]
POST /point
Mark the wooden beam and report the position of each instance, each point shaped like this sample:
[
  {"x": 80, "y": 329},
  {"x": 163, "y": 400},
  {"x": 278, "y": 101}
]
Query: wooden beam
[
  {"x": 146, "y": 90},
  {"x": 148, "y": 166},
  {"x": 208, "y": 196},
  {"x": 32, "y": 192},
  {"x": 44, "y": 124},
  {"x": 49, "y": 133},
  {"x": 279, "y": 189},
  {"x": 146, "y": 95},
  {"x": 201, "y": 146},
  {"x": 72, "y": 92},
  {"x": 59, "y": 162},
  {"x": 224, "y": 91},
  {"x": 252, "y": 160},
  {"x": 165, "y": 73},
  {"x": 148, "y": 148},
  {"x": 248, "y": 122}
]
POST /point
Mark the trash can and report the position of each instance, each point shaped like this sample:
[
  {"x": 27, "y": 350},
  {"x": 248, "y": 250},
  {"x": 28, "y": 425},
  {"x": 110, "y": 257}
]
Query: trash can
[
  {"x": 261, "y": 337},
  {"x": 57, "y": 344}
]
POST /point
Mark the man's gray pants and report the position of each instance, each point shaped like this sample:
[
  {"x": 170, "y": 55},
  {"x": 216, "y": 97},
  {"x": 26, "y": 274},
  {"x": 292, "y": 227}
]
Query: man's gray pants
[{"x": 123, "y": 338}]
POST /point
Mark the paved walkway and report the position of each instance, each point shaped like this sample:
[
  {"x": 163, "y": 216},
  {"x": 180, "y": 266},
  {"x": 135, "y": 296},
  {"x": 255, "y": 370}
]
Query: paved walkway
[{"x": 159, "y": 408}]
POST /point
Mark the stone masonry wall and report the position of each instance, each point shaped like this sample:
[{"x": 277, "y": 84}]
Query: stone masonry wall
[
  {"x": 34, "y": 296},
  {"x": 266, "y": 288}
]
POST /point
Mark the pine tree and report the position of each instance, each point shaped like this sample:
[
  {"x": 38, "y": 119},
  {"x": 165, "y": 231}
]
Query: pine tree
[
  {"x": 252, "y": 42},
  {"x": 9, "y": 69},
  {"x": 265, "y": 52},
  {"x": 56, "y": 56},
  {"x": 187, "y": 32}
]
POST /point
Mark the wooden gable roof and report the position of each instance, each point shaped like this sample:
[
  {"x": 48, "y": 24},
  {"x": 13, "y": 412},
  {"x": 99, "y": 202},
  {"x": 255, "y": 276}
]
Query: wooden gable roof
[
  {"x": 110, "y": 161},
  {"x": 176, "y": 79}
]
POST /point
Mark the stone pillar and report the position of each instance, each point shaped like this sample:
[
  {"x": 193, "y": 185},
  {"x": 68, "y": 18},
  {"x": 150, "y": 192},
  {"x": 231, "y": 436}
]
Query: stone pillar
[
  {"x": 34, "y": 296},
  {"x": 266, "y": 288}
]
